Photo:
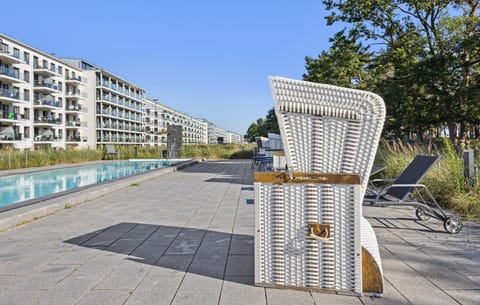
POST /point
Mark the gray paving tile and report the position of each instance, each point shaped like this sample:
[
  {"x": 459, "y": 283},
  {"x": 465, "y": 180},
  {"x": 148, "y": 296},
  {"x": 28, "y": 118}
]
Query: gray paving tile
[
  {"x": 236, "y": 293},
  {"x": 391, "y": 296},
  {"x": 465, "y": 297},
  {"x": 288, "y": 297},
  {"x": 109, "y": 236},
  {"x": 242, "y": 244},
  {"x": 126, "y": 276},
  {"x": 238, "y": 265},
  {"x": 68, "y": 291},
  {"x": 196, "y": 297},
  {"x": 104, "y": 297},
  {"x": 155, "y": 290},
  {"x": 18, "y": 297},
  {"x": 328, "y": 298},
  {"x": 76, "y": 256},
  {"x": 194, "y": 281}
]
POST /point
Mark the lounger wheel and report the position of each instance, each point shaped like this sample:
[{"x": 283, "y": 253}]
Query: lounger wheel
[
  {"x": 452, "y": 225},
  {"x": 421, "y": 215}
]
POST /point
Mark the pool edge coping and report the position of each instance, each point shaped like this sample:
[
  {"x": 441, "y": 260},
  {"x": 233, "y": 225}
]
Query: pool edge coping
[{"x": 56, "y": 204}]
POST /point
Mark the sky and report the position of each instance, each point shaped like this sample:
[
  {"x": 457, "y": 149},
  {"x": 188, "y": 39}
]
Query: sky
[{"x": 209, "y": 59}]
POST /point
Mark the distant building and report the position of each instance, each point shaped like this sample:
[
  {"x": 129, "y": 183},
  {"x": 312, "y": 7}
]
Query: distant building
[
  {"x": 46, "y": 101},
  {"x": 215, "y": 134}
]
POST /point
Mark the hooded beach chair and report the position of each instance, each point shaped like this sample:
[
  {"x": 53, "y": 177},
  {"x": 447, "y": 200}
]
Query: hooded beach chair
[
  {"x": 406, "y": 191},
  {"x": 310, "y": 233}
]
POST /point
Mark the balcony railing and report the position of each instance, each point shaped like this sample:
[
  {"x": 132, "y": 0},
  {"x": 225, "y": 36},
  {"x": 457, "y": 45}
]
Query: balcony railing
[
  {"x": 47, "y": 120},
  {"x": 7, "y": 57},
  {"x": 76, "y": 107},
  {"x": 46, "y": 85},
  {"x": 9, "y": 72},
  {"x": 50, "y": 103},
  {"x": 10, "y": 94}
]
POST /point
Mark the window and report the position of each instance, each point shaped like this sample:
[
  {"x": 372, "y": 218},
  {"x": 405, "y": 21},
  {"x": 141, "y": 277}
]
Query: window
[
  {"x": 52, "y": 67},
  {"x": 26, "y": 57},
  {"x": 26, "y": 76},
  {"x": 4, "y": 69},
  {"x": 16, "y": 92},
  {"x": 16, "y": 53},
  {"x": 35, "y": 62},
  {"x": 44, "y": 64},
  {"x": 4, "y": 47},
  {"x": 26, "y": 95},
  {"x": 16, "y": 73},
  {"x": 60, "y": 86},
  {"x": 60, "y": 70}
]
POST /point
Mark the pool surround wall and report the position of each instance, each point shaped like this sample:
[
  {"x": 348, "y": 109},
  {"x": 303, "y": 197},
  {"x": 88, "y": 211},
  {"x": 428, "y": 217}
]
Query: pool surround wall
[{"x": 52, "y": 204}]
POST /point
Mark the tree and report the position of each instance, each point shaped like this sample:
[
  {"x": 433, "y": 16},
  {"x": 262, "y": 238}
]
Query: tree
[
  {"x": 343, "y": 65},
  {"x": 424, "y": 59},
  {"x": 262, "y": 127},
  {"x": 271, "y": 123},
  {"x": 255, "y": 129}
]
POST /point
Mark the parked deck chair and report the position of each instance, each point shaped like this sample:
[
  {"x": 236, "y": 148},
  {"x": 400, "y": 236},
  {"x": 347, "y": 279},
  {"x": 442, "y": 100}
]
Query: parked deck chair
[
  {"x": 111, "y": 151},
  {"x": 310, "y": 233},
  {"x": 406, "y": 191}
]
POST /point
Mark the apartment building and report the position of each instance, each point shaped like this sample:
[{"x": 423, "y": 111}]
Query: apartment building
[
  {"x": 116, "y": 107},
  {"x": 159, "y": 117},
  {"x": 218, "y": 135},
  {"x": 46, "y": 102},
  {"x": 40, "y": 100}
]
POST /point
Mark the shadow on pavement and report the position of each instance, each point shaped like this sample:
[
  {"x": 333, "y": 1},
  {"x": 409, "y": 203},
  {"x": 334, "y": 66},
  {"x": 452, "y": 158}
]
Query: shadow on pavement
[{"x": 204, "y": 252}]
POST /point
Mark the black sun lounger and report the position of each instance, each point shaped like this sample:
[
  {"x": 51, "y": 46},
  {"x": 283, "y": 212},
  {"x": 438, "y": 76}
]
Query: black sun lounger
[{"x": 406, "y": 190}]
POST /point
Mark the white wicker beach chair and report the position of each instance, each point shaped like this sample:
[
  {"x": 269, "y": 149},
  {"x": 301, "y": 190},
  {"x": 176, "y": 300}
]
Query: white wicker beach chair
[{"x": 309, "y": 227}]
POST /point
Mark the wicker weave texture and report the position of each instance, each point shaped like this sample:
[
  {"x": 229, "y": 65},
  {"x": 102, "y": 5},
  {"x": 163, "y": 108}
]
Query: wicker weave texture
[
  {"x": 324, "y": 129},
  {"x": 328, "y": 129},
  {"x": 286, "y": 256}
]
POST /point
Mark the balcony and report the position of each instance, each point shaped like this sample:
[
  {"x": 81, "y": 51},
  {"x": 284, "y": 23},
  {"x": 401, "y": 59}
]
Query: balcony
[
  {"x": 46, "y": 88},
  {"x": 47, "y": 121},
  {"x": 9, "y": 116},
  {"x": 9, "y": 96},
  {"x": 9, "y": 134},
  {"x": 9, "y": 76},
  {"x": 77, "y": 80},
  {"x": 120, "y": 91},
  {"x": 76, "y": 95},
  {"x": 76, "y": 139},
  {"x": 75, "y": 124},
  {"x": 45, "y": 71},
  {"x": 47, "y": 104},
  {"x": 74, "y": 108},
  {"x": 46, "y": 136},
  {"x": 7, "y": 58}
]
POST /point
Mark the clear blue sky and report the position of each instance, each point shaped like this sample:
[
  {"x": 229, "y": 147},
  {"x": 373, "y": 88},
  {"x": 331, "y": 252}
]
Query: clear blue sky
[{"x": 209, "y": 58}]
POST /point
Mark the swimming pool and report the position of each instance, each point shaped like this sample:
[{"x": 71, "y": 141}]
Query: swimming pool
[{"x": 16, "y": 189}]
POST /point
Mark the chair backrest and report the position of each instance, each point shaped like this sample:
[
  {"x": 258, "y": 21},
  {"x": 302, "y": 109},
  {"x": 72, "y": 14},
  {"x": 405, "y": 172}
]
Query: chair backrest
[
  {"x": 110, "y": 149},
  {"x": 328, "y": 129},
  {"x": 413, "y": 174}
]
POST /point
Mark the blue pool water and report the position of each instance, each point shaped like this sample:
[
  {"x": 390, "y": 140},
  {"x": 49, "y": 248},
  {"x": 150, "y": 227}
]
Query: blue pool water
[{"x": 25, "y": 187}]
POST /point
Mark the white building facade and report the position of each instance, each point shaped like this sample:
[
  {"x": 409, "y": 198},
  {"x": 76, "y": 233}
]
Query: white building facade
[{"x": 70, "y": 103}]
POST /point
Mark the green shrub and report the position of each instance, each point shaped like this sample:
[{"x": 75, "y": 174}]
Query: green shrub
[{"x": 12, "y": 159}]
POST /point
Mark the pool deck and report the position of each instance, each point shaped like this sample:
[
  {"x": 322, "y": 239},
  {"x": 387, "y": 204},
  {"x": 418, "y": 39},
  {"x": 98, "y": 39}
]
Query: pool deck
[{"x": 187, "y": 238}]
